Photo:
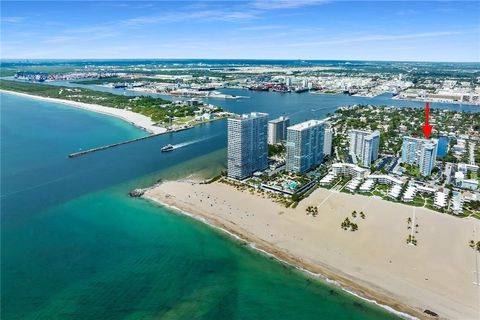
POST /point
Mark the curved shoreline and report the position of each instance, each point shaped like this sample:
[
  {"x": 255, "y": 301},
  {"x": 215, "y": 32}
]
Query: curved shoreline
[
  {"x": 325, "y": 274},
  {"x": 374, "y": 262},
  {"x": 138, "y": 120}
]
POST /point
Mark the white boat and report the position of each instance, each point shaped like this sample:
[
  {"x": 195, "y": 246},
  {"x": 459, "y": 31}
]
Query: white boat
[{"x": 167, "y": 148}]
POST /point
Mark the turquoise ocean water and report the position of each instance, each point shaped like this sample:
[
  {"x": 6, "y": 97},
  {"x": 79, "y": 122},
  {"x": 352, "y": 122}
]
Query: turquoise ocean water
[{"x": 75, "y": 246}]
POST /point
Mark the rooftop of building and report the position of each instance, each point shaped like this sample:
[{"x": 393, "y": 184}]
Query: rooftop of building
[
  {"x": 250, "y": 115},
  {"x": 305, "y": 125},
  {"x": 279, "y": 119},
  {"x": 365, "y": 131},
  {"x": 421, "y": 139}
]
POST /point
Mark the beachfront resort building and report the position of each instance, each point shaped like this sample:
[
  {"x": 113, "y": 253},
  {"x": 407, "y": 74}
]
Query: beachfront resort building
[
  {"x": 364, "y": 146},
  {"x": 247, "y": 150},
  {"x": 305, "y": 145},
  {"x": 327, "y": 141},
  {"x": 277, "y": 130},
  {"x": 420, "y": 152},
  {"x": 349, "y": 169}
]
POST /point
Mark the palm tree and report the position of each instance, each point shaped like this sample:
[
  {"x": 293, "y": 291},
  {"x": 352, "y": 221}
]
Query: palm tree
[
  {"x": 472, "y": 244},
  {"x": 409, "y": 220}
]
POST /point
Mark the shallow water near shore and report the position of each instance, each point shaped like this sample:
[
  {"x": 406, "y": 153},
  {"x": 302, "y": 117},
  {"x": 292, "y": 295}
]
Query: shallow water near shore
[{"x": 74, "y": 245}]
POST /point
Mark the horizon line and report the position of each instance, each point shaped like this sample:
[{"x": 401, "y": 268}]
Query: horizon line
[{"x": 235, "y": 59}]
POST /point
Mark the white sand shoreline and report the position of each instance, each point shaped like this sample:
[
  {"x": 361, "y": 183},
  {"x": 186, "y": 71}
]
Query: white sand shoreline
[
  {"x": 252, "y": 245},
  {"x": 435, "y": 275},
  {"x": 133, "y": 118}
]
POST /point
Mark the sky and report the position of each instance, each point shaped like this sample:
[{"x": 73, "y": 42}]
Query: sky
[{"x": 254, "y": 29}]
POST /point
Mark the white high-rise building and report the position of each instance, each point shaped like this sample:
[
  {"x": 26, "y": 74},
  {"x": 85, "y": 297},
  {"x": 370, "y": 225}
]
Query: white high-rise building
[
  {"x": 277, "y": 130},
  {"x": 247, "y": 145},
  {"x": 364, "y": 146},
  {"x": 327, "y": 142},
  {"x": 305, "y": 145},
  {"x": 288, "y": 81},
  {"x": 420, "y": 152}
]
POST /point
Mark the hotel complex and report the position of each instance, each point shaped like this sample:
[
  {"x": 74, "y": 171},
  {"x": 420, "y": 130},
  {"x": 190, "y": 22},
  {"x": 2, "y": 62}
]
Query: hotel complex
[
  {"x": 247, "y": 145},
  {"x": 301, "y": 165},
  {"x": 364, "y": 146},
  {"x": 305, "y": 145},
  {"x": 277, "y": 130},
  {"x": 421, "y": 153}
]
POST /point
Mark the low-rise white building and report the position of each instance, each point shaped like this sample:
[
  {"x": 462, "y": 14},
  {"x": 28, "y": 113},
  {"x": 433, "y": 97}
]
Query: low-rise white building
[
  {"x": 465, "y": 167},
  {"x": 327, "y": 180},
  {"x": 440, "y": 200},
  {"x": 353, "y": 184},
  {"x": 350, "y": 170},
  {"x": 409, "y": 194},
  {"x": 395, "y": 191},
  {"x": 462, "y": 182},
  {"x": 456, "y": 204},
  {"x": 367, "y": 185},
  {"x": 385, "y": 179},
  {"x": 425, "y": 189}
]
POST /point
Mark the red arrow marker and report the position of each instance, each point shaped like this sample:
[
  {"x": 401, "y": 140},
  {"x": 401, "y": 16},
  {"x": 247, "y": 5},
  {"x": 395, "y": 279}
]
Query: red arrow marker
[{"x": 427, "y": 128}]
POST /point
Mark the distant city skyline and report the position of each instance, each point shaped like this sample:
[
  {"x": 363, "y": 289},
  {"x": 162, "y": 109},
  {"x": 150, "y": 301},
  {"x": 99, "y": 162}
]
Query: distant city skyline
[{"x": 304, "y": 29}]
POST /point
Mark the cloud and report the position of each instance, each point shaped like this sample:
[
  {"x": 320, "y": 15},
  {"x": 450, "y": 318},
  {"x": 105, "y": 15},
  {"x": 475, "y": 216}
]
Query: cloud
[
  {"x": 200, "y": 15},
  {"x": 260, "y": 28},
  {"x": 12, "y": 19},
  {"x": 407, "y": 12},
  {"x": 124, "y": 5},
  {"x": 285, "y": 4},
  {"x": 369, "y": 38},
  {"x": 59, "y": 39},
  {"x": 78, "y": 36}
]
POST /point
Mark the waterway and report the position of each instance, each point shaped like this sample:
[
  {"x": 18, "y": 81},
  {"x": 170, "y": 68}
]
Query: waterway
[{"x": 75, "y": 246}]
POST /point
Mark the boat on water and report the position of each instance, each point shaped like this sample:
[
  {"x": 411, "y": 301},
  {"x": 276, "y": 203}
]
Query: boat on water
[
  {"x": 167, "y": 148},
  {"x": 301, "y": 90},
  {"x": 258, "y": 88},
  {"x": 119, "y": 85}
]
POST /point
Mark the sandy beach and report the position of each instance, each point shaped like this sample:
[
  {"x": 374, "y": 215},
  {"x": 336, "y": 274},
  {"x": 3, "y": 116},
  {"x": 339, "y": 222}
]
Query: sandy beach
[
  {"x": 131, "y": 117},
  {"x": 438, "y": 274}
]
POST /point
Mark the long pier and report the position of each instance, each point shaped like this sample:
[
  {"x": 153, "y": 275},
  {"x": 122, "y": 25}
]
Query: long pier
[{"x": 84, "y": 152}]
